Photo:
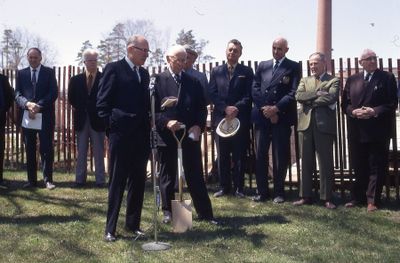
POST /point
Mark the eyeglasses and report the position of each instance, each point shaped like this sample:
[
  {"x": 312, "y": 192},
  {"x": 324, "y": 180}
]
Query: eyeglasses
[
  {"x": 371, "y": 58},
  {"x": 145, "y": 50}
]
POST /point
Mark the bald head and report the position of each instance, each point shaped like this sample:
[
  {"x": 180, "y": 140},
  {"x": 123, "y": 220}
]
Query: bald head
[{"x": 279, "y": 48}]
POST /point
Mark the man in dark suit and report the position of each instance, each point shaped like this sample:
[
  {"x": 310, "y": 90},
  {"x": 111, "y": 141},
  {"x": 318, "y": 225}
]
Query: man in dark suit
[
  {"x": 123, "y": 103},
  {"x": 369, "y": 100},
  {"x": 230, "y": 92},
  {"x": 274, "y": 87},
  {"x": 36, "y": 92},
  {"x": 317, "y": 96},
  {"x": 6, "y": 100},
  {"x": 82, "y": 95},
  {"x": 190, "y": 110}
]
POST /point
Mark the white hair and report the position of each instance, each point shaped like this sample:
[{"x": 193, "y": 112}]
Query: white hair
[
  {"x": 175, "y": 49},
  {"x": 89, "y": 51}
]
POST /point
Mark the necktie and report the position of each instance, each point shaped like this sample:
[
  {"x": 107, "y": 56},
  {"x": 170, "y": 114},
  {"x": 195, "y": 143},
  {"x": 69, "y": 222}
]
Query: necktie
[
  {"x": 276, "y": 65},
  {"x": 177, "y": 79},
  {"x": 89, "y": 83},
  {"x": 136, "y": 70},
  {"x": 367, "y": 76},
  {"x": 230, "y": 71},
  {"x": 33, "y": 79}
]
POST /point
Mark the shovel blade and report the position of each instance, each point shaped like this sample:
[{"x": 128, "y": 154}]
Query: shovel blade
[{"x": 181, "y": 215}]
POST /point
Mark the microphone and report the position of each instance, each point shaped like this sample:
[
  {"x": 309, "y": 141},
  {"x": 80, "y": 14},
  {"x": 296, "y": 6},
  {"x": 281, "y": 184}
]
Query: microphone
[{"x": 152, "y": 82}]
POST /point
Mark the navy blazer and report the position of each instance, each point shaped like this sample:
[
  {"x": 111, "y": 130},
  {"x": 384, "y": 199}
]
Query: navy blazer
[
  {"x": 190, "y": 110},
  {"x": 234, "y": 92},
  {"x": 122, "y": 101},
  {"x": 380, "y": 93},
  {"x": 84, "y": 104},
  {"x": 277, "y": 89},
  {"x": 45, "y": 93}
]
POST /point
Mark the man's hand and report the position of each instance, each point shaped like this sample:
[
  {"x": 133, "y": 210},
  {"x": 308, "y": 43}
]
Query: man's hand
[
  {"x": 194, "y": 133},
  {"x": 269, "y": 111},
  {"x": 231, "y": 112},
  {"x": 322, "y": 93},
  {"x": 173, "y": 125},
  {"x": 33, "y": 107},
  {"x": 364, "y": 113}
]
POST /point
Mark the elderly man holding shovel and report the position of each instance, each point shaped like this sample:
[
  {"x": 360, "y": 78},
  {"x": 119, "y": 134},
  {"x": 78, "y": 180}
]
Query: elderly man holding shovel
[{"x": 180, "y": 103}]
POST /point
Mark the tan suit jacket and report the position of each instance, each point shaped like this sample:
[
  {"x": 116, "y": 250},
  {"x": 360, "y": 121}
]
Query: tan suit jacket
[{"x": 324, "y": 105}]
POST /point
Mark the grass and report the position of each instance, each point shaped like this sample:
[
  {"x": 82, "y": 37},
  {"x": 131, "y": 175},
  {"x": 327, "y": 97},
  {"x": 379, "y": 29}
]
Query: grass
[{"x": 67, "y": 225}]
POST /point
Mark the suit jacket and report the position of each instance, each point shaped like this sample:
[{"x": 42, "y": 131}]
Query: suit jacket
[
  {"x": 380, "y": 93},
  {"x": 234, "y": 92},
  {"x": 6, "y": 97},
  {"x": 203, "y": 81},
  {"x": 84, "y": 104},
  {"x": 276, "y": 88},
  {"x": 324, "y": 107},
  {"x": 190, "y": 110},
  {"x": 45, "y": 93},
  {"x": 122, "y": 101}
]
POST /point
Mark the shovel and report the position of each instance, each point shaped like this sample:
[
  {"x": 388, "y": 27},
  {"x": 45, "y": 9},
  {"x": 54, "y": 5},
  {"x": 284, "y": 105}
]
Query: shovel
[{"x": 181, "y": 209}]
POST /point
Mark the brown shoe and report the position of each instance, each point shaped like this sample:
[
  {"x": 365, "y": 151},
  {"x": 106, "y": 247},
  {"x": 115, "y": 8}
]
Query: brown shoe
[
  {"x": 371, "y": 208},
  {"x": 303, "y": 201},
  {"x": 330, "y": 205}
]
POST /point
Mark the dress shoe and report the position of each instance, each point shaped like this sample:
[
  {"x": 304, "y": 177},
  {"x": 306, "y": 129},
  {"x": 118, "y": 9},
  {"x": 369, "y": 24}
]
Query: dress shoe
[
  {"x": 167, "y": 217},
  {"x": 259, "y": 198},
  {"x": 50, "y": 185},
  {"x": 214, "y": 222},
  {"x": 101, "y": 185},
  {"x": 278, "y": 200},
  {"x": 371, "y": 208},
  {"x": 350, "y": 204},
  {"x": 303, "y": 201},
  {"x": 109, "y": 237},
  {"x": 330, "y": 205},
  {"x": 220, "y": 193},
  {"x": 29, "y": 185},
  {"x": 79, "y": 185},
  {"x": 3, "y": 185},
  {"x": 239, "y": 194}
]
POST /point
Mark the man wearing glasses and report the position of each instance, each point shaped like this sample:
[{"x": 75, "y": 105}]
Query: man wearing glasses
[
  {"x": 124, "y": 104},
  {"x": 369, "y": 100}
]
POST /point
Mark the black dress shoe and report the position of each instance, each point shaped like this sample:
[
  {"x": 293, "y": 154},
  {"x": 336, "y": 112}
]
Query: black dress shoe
[
  {"x": 3, "y": 185},
  {"x": 109, "y": 237},
  {"x": 220, "y": 193},
  {"x": 259, "y": 198},
  {"x": 28, "y": 185}
]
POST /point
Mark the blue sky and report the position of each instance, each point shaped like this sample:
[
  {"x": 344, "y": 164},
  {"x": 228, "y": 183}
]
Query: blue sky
[{"x": 357, "y": 24}]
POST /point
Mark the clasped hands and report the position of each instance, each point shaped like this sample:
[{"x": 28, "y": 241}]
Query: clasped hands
[
  {"x": 271, "y": 112},
  {"x": 364, "y": 113},
  {"x": 32, "y": 108},
  {"x": 194, "y": 131}
]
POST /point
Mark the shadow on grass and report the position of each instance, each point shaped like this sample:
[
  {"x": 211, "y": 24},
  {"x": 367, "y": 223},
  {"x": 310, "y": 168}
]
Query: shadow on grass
[{"x": 41, "y": 219}]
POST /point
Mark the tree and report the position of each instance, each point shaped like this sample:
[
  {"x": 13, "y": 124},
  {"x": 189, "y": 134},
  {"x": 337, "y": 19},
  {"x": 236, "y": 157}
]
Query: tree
[
  {"x": 79, "y": 56},
  {"x": 105, "y": 52},
  {"x": 187, "y": 38},
  {"x": 16, "y": 42}
]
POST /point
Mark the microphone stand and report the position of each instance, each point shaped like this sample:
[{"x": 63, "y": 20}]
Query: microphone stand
[{"x": 154, "y": 246}]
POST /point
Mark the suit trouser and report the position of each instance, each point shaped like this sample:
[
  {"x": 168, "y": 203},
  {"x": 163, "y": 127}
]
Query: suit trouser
[
  {"x": 128, "y": 161},
  {"x": 370, "y": 162},
  {"x": 313, "y": 142},
  {"x": 97, "y": 141},
  {"x": 191, "y": 161},
  {"x": 46, "y": 153},
  {"x": 279, "y": 135},
  {"x": 2, "y": 143},
  {"x": 232, "y": 151}
]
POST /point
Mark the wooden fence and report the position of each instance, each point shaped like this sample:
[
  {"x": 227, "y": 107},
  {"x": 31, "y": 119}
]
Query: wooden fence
[{"x": 65, "y": 144}]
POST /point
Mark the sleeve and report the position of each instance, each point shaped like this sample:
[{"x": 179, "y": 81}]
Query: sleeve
[
  {"x": 8, "y": 94},
  {"x": 106, "y": 94}
]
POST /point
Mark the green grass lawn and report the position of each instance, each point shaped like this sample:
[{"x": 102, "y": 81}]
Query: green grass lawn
[{"x": 67, "y": 225}]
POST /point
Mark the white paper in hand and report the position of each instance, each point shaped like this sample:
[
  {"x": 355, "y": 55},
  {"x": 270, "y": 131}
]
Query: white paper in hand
[{"x": 34, "y": 124}]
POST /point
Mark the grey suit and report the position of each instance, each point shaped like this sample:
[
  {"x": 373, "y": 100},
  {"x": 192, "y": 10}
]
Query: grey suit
[{"x": 317, "y": 131}]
